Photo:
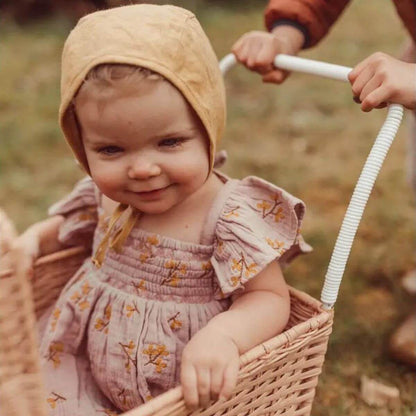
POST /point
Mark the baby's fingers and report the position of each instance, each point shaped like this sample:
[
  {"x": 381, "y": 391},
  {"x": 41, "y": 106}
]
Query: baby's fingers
[
  {"x": 216, "y": 383},
  {"x": 229, "y": 379},
  {"x": 189, "y": 386},
  {"x": 204, "y": 385}
]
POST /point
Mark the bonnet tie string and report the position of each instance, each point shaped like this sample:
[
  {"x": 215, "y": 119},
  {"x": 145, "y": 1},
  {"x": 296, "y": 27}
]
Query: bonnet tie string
[{"x": 119, "y": 237}]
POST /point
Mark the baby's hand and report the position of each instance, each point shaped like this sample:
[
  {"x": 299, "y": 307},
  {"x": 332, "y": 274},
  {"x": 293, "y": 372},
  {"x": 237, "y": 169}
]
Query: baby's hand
[
  {"x": 210, "y": 364},
  {"x": 257, "y": 50},
  {"x": 381, "y": 79},
  {"x": 23, "y": 253}
]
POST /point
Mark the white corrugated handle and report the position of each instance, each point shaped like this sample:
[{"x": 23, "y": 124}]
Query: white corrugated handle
[
  {"x": 294, "y": 63},
  {"x": 367, "y": 177},
  {"x": 357, "y": 205}
]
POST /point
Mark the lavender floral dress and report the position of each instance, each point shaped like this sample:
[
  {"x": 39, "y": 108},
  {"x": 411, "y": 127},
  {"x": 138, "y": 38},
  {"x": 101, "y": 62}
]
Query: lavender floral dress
[{"x": 115, "y": 336}]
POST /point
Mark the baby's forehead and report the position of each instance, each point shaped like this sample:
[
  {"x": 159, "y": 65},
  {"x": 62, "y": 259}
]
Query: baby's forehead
[
  {"x": 133, "y": 88},
  {"x": 155, "y": 109},
  {"x": 108, "y": 79}
]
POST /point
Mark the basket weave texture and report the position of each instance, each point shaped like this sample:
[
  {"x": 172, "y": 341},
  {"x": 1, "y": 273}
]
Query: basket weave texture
[{"x": 277, "y": 377}]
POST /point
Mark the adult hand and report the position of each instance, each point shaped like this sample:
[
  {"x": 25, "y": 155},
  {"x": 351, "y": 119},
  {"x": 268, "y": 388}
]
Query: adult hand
[
  {"x": 381, "y": 79},
  {"x": 257, "y": 50}
]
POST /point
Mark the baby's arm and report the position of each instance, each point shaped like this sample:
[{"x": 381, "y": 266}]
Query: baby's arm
[
  {"x": 38, "y": 240},
  {"x": 381, "y": 79},
  {"x": 210, "y": 361}
]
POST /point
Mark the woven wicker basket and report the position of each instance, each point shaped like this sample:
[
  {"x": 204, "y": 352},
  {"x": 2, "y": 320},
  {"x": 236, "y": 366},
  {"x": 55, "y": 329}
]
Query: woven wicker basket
[{"x": 277, "y": 377}]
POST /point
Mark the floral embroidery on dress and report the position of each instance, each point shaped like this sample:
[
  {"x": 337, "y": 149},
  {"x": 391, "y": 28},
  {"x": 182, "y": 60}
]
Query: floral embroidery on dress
[
  {"x": 81, "y": 299},
  {"x": 148, "y": 248},
  {"x": 152, "y": 240},
  {"x": 54, "y": 399},
  {"x": 101, "y": 324},
  {"x": 129, "y": 351},
  {"x": 206, "y": 266},
  {"x": 131, "y": 309},
  {"x": 123, "y": 394},
  {"x": 177, "y": 269},
  {"x": 219, "y": 244},
  {"x": 55, "y": 351},
  {"x": 55, "y": 316},
  {"x": 141, "y": 286},
  {"x": 271, "y": 207},
  {"x": 175, "y": 323},
  {"x": 144, "y": 257},
  {"x": 155, "y": 355},
  {"x": 88, "y": 214},
  {"x": 242, "y": 267},
  {"x": 233, "y": 212},
  {"x": 275, "y": 244}
]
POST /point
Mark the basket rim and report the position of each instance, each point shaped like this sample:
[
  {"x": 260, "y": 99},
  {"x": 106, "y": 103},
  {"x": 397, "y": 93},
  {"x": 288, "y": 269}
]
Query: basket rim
[
  {"x": 50, "y": 258},
  {"x": 321, "y": 318}
]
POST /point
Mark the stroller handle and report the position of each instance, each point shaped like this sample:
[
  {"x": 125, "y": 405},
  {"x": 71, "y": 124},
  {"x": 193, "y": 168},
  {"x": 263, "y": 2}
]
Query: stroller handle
[
  {"x": 294, "y": 63},
  {"x": 366, "y": 179}
]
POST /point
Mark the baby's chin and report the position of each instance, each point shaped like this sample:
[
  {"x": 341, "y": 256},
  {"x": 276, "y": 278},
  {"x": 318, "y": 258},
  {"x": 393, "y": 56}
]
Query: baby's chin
[{"x": 153, "y": 208}]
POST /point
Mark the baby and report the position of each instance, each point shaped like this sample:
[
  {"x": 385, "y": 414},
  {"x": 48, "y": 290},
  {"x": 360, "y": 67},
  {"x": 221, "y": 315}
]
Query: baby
[{"x": 185, "y": 273}]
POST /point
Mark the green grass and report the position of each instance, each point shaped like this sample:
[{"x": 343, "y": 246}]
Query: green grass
[{"x": 306, "y": 135}]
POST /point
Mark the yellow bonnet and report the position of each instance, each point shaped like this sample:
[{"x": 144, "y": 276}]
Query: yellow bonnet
[{"x": 165, "y": 39}]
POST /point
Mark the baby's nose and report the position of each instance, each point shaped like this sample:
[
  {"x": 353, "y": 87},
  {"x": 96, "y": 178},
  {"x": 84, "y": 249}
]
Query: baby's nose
[{"x": 143, "y": 168}]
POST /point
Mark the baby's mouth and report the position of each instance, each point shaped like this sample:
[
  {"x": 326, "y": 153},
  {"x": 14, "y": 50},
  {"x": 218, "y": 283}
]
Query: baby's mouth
[
  {"x": 145, "y": 191},
  {"x": 152, "y": 193}
]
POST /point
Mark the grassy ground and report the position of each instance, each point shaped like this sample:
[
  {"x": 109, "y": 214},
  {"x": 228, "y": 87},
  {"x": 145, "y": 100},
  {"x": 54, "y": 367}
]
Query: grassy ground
[{"x": 307, "y": 136}]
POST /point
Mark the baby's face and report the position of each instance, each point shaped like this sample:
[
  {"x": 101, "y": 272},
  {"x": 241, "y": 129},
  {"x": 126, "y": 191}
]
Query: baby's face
[{"x": 145, "y": 147}]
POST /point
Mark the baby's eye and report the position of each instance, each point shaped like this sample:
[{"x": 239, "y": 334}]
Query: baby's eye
[
  {"x": 172, "y": 142},
  {"x": 110, "y": 150}
]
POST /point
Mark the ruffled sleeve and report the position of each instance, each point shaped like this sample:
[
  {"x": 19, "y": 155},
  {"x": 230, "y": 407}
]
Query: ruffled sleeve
[
  {"x": 258, "y": 223},
  {"x": 80, "y": 211}
]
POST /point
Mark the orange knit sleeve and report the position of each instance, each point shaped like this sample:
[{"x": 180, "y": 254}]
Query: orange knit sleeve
[{"x": 316, "y": 16}]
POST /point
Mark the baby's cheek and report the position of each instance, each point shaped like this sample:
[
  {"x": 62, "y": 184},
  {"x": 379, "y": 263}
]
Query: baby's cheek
[
  {"x": 194, "y": 179},
  {"x": 107, "y": 183},
  {"x": 196, "y": 169}
]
